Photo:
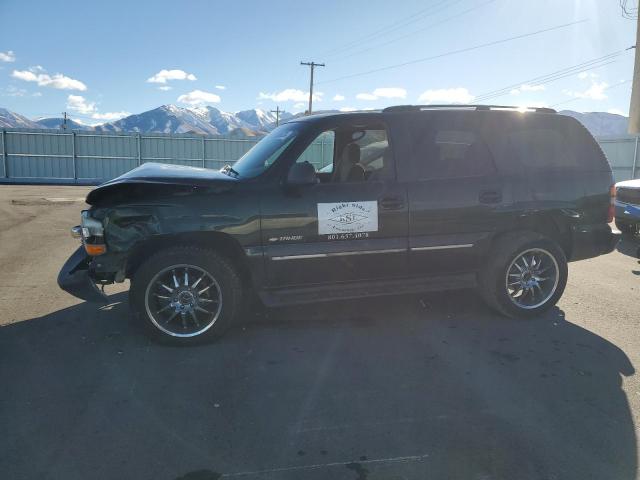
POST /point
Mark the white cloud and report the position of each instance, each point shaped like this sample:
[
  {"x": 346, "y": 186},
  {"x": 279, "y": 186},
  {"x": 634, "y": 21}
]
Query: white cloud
[
  {"x": 585, "y": 75},
  {"x": 163, "y": 76},
  {"x": 390, "y": 92},
  {"x": 446, "y": 95},
  {"x": 290, "y": 95},
  {"x": 617, "y": 111},
  {"x": 109, "y": 116},
  {"x": 36, "y": 94},
  {"x": 526, "y": 88},
  {"x": 299, "y": 107},
  {"x": 59, "y": 81},
  {"x": 221, "y": 87},
  {"x": 79, "y": 104},
  {"x": 8, "y": 56},
  {"x": 198, "y": 97},
  {"x": 384, "y": 92},
  {"x": 594, "y": 92},
  {"x": 348, "y": 109},
  {"x": 338, "y": 98},
  {"x": 12, "y": 91},
  {"x": 165, "y": 88}
]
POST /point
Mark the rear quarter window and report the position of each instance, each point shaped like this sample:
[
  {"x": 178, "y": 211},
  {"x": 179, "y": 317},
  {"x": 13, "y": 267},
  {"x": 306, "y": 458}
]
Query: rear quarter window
[
  {"x": 555, "y": 142},
  {"x": 542, "y": 148}
]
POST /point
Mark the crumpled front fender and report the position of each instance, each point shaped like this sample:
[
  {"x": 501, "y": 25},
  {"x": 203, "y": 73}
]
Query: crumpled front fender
[{"x": 74, "y": 278}]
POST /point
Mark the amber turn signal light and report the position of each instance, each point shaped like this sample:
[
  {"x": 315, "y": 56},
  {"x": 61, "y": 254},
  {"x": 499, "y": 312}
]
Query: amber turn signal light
[{"x": 95, "y": 250}]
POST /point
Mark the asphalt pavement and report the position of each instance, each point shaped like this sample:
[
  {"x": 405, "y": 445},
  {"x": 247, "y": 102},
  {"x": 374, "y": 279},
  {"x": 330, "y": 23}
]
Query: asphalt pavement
[{"x": 414, "y": 387}]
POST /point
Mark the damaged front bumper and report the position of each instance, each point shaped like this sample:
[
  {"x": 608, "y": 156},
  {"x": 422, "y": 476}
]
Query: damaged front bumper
[{"x": 74, "y": 278}]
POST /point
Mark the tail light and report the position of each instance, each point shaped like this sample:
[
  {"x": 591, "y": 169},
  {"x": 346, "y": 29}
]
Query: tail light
[{"x": 612, "y": 206}]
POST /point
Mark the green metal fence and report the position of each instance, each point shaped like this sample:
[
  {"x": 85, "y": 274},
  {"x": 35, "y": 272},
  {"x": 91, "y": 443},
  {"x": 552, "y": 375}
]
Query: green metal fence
[{"x": 52, "y": 156}]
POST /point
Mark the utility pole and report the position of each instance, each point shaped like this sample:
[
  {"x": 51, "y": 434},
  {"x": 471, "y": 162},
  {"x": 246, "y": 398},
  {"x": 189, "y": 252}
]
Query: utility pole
[
  {"x": 312, "y": 65},
  {"x": 277, "y": 112},
  {"x": 64, "y": 121},
  {"x": 634, "y": 107}
]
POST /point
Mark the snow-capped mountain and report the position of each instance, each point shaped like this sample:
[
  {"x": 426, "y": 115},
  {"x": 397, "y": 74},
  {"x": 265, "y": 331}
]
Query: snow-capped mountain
[
  {"x": 600, "y": 124},
  {"x": 54, "y": 123},
  {"x": 199, "y": 120},
  {"x": 265, "y": 120},
  {"x": 164, "y": 119},
  {"x": 9, "y": 119},
  {"x": 213, "y": 121}
]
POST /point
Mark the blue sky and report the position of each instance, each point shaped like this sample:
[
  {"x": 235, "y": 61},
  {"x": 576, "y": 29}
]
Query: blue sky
[{"x": 99, "y": 61}]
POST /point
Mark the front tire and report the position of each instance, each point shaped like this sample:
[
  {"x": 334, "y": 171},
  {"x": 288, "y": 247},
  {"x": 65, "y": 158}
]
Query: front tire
[
  {"x": 186, "y": 295},
  {"x": 525, "y": 275}
]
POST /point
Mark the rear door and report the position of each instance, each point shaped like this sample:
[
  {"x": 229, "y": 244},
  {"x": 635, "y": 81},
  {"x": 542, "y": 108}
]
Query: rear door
[
  {"x": 457, "y": 198},
  {"x": 352, "y": 226}
]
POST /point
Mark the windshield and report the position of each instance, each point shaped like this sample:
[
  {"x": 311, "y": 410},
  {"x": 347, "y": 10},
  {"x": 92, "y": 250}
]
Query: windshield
[{"x": 266, "y": 151}]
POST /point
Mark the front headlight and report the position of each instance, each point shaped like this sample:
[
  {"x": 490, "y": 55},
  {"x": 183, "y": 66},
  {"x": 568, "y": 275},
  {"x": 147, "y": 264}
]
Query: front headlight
[
  {"x": 92, "y": 233},
  {"x": 90, "y": 226}
]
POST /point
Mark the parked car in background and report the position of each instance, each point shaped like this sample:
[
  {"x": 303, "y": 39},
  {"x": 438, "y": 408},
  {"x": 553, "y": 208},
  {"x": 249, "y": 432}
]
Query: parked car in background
[
  {"x": 418, "y": 198},
  {"x": 628, "y": 206}
]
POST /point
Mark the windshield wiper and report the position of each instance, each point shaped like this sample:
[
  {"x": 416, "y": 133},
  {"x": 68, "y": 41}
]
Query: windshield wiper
[{"x": 228, "y": 169}]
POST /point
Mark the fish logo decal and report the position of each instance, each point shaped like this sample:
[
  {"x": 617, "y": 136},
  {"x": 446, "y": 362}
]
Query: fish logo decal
[{"x": 347, "y": 217}]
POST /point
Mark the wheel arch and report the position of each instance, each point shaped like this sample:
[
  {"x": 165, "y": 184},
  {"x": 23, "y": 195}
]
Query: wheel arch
[
  {"x": 550, "y": 224},
  {"x": 222, "y": 243}
]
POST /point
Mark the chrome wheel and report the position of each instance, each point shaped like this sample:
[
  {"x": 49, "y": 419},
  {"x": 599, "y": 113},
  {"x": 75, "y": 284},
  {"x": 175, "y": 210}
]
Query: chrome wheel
[
  {"x": 183, "y": 300},
  {"x": 532, "y": 278}
]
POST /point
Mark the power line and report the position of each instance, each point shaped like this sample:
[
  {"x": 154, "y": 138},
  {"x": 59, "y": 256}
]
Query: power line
[
  {"x": 569, "y": 74},
  {"x": 550, "y": 77},
  {"x": 453, "y": 52},
  {"x": 581, "y": 98},
  {"x": 416, "y": 16},
  {"x": 628, "y": 12},
  {"x": 402, "y": 37}
]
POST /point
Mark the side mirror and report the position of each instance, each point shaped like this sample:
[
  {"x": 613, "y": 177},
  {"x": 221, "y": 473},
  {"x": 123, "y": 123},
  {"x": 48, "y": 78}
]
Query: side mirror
[{"x": 301, "y": 174}]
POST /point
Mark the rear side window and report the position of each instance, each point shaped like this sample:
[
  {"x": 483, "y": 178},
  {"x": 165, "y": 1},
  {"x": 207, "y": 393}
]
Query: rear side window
[
  {"x": 538, "y": 148},
  {"x": 448, "y": 146}
]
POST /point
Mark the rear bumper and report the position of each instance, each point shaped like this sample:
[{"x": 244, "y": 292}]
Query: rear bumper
[
  {"x": 74, "y": 278},
  {"x": 589, "y": 241}
]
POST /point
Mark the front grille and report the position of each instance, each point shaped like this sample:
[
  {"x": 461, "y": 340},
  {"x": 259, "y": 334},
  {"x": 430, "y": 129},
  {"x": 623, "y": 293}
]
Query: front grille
[{"x": 628, "y": 195}]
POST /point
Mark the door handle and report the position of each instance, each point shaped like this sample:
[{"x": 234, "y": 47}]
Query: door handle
[
  {"x": 391, "y": 203},
  {"x": 490, "y": 196}
]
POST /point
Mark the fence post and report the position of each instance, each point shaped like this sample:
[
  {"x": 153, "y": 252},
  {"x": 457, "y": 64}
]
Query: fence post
[
  {"x": 4, "y": 154},
  {"x": 635, "y": 160},
  {"x": 73, "y": 153},
  {"x": 203, "y": 157},
  {"x": 139, "y": 150}
]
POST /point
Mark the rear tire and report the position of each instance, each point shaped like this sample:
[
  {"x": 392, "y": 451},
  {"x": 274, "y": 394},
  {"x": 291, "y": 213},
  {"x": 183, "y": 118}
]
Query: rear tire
[
  {"x": 525, "y": 275},
  {"x": 186, "y": 295}
]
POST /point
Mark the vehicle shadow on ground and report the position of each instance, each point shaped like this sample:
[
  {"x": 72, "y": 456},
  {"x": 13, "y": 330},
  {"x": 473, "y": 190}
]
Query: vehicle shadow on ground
[
  {"x": 630, "y": 246},
  {"x": 408, "y": 387}
]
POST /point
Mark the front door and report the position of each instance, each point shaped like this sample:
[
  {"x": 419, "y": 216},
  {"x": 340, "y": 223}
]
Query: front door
[{"x": 350, "y": 226}]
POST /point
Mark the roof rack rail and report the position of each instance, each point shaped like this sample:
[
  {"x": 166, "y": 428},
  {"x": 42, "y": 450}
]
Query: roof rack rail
[{"x": 417, "y": 108}]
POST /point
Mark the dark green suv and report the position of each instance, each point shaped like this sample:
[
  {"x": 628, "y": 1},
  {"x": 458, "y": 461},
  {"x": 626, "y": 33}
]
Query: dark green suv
[{"x": 337, "y": 206}]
